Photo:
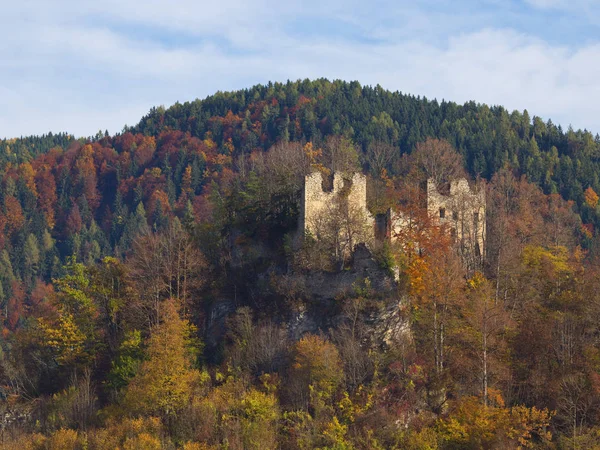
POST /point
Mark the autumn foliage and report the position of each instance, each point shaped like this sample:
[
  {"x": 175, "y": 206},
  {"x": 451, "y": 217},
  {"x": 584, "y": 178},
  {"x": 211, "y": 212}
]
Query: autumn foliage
[{"x": 154, "y": 292}]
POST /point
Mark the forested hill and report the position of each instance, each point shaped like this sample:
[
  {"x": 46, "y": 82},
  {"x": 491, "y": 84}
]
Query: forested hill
[
  {"x": 559, "y": 161},
  {"x": 154, "y": 294},
  {"x": 488, "y": 137},
  {"x": 82, "y": 195}
]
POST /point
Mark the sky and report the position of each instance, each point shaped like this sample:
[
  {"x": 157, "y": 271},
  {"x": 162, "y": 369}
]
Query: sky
[{"x": 81, "y": 66}]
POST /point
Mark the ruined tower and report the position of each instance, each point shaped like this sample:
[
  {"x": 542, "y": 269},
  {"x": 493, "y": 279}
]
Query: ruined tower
[
  {"x": 317, "y": 203},
  {"x": 336, "y": 215},
  {"x": 462, "y": 209}
]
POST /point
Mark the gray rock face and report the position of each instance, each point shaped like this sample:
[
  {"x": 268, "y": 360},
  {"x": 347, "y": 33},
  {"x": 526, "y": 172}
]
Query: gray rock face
[
  {"x": 318, "y": 304},
  {"x": 332, "y": 285},
  {"x": 386, "y": 322}
]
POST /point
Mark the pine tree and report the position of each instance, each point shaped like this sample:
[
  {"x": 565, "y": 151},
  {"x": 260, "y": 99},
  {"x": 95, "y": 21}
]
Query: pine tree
[
  {"x": 160, "y": 221},
  {"x": 31, "y": 253},
  {"x": 197, "y": 175},
  {"x": 188, "y": 216},
  {"x": 139, "y": 220},
  {"x": 137, "y": 225},
  {"x": 3, "y": 298},
  {"x": 118, "y": 219}
]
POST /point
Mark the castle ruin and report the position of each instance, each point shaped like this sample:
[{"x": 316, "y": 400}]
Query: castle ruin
[{"x": 340, "y": 213}]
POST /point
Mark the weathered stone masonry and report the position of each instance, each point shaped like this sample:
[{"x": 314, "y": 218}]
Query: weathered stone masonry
[
  {"x": 315, "y": 201},
  {"x": 461, "y": 208},
  {"x": 463, "y": 211}
]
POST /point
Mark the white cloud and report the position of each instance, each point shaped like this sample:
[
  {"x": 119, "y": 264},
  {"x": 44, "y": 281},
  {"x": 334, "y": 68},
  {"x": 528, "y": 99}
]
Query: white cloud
[
  {"x": 548, "y": 3},
  {"x": 86, "y": 66},
  {"x": 584, "y": 11}
]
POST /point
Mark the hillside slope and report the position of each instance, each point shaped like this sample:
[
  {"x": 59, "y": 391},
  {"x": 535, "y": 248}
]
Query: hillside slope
[{"x": 154, "y": 293}]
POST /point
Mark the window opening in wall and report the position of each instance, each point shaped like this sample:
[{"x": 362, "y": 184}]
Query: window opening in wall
[
  {"x": 454, "y": 215},
  {"x": 327, "y": 182},
  {"x": 442, "y": 213}
]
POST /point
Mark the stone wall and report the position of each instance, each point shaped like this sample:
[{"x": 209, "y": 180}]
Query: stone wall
[
  {"x": 349, "y": 192},
  {"x": 463, "y": 210}
]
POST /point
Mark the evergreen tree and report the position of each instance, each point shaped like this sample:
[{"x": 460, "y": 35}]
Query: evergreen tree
[
  {"x": 137, "y": 225},
  {"x": 32, "y": 258},
  {"x": 118, "y": 218},
  {"x": 188, "y": 216},
  {"x": 140, "y": 223},
  {"x": 160, "y": 221},
  {"x": 6, "y": 268}
]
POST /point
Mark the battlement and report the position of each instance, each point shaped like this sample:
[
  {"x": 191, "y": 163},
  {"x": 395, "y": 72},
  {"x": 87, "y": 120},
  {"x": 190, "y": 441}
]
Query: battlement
[{"x": 350, "y": 191}]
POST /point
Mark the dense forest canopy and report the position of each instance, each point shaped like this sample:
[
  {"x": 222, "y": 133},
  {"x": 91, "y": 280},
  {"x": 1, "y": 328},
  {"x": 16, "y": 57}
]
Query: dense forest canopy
[
  {"x": 153, "y": 294},
  {"x": 563, "y": 161}
]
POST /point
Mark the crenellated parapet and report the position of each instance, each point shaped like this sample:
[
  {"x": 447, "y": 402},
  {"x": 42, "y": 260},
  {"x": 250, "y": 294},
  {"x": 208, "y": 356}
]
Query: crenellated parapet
[{"x": 349, "y": 191}]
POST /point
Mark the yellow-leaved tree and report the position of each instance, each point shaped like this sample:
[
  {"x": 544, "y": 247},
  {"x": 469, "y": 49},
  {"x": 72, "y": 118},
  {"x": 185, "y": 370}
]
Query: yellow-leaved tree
[
  {"x": 472, "y": 424},
  {"x": 316, "y": 372},
  {"x": 163, "y": 385}
]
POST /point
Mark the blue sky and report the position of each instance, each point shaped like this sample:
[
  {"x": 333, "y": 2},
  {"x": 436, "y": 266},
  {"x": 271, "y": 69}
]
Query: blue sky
[{"x": 80, "y": 66}]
